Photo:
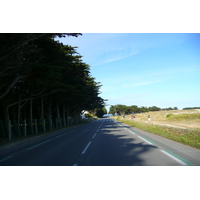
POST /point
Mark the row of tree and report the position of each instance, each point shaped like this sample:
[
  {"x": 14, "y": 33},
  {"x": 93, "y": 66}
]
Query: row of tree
[
  {"x": 123, "y": 109},
  {"x": 41, "y": 78},
  {"x": 189, "y": 108}
]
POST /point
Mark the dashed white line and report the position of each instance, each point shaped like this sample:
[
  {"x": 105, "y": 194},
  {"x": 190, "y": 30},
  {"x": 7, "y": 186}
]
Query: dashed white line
[
  {"x": 86, "y": 147},
  {"x": 60, "y": 135},
  {"x": 38, "y": 145},
  {"x": 94, "y": 136}
]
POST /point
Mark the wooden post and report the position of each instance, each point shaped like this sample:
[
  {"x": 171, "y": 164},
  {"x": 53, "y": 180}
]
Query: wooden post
[
  {"x": 50, "y": 124},
  {"x": 2, "y": 129},
  {"x": 24, "y": 127},
  {"x": 9, "y": 131},
  {"x": 61, "y": 122},
  {"x": 44, "y": 125},
  {"x": 67, "y": 117},
  {"x": 36, "y": 129},
  {"x": 56, "y": 123},
  {"x": 64, "y": 118},
  {"x": 31, "y": 116},
  {"x": 49, "y": 117}
]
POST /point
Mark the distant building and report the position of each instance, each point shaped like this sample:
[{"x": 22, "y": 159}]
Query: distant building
[{"x": 83, "y": 114}]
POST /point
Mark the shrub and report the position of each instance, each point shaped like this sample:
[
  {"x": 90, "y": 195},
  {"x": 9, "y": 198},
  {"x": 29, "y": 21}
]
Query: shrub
[
  {"x": 169, "y": 115},
  {"x": 88, "y": 115}
]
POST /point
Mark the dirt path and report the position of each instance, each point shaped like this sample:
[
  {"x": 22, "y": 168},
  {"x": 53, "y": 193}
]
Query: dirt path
[{"x": 170, "y": 125}]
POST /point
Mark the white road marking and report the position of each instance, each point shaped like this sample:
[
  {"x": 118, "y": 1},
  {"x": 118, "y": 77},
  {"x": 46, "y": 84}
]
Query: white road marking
[
  {"x": 6, "y": 158},
  {"x": 131, "y": 132},
  {"x": 173, "y": 157},
  {"x": 86, "y": 147},
  {"x": 145, "y": 140},
  {"x": 38, "y": 145},
  {"x": 94, "y": 136},
  {"x": 61, "y": 135},
  {"x": 100, "y": 125}
]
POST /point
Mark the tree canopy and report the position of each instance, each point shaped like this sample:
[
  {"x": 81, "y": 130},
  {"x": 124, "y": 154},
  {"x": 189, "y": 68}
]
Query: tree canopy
[
  {"x": 120, "y": 109},
  {"x": 40, "y": 77}
]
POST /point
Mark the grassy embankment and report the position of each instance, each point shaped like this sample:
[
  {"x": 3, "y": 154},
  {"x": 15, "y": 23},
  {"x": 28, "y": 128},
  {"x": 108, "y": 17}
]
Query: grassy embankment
[{"x": 182, "y": 126}]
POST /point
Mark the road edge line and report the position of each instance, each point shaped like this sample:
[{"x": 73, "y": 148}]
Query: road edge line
[
  {"x": 146, "y": 140},
  {"x": 86, "y": 147},
  {"x": 175, "y": 157},
  {"x": 37, "y": 145}
]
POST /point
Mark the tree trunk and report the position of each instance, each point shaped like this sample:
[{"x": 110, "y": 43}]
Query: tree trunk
[
  {"x": 18, "y": 119},
  {"x": 15, "y": 125},
  {"x": 31, "y": 116},
  {"x": 42, "y": 114},
  {"x": 49, "y": 116},
  {"x": 64, "y": 118},
  {"x": 24, "y": 127},
  {"x": 2, "y": 129},
  {"x": 58, "y": 115},
  {"x": 68, "y": 117},
  {"x": 36, "y": 130},
  {"x": 7, "y": 123}
]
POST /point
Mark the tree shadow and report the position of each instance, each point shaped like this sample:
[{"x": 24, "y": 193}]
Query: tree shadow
[{"x": 114, "y": 147}]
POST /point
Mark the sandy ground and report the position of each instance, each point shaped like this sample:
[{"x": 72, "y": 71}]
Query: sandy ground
[{"x": 159, "y": 118}]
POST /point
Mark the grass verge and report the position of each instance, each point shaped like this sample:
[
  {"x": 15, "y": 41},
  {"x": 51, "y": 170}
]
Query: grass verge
[{"x": 189, "y": 137}]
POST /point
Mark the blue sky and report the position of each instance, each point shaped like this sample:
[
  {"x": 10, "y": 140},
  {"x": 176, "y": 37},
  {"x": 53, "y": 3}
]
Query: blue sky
[{"x": 143, "y": 69}]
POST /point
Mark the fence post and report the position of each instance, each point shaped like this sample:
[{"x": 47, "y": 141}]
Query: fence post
[
  {"x": 61, "y": 122},
  {"x": 50, "y": 124},
  {"x": 64, "y": 122},
  {"x": 9, "y": 131},
  {"x": 31, "y": 126},
  {"x": 56, "y": 123},
  {"x": 44, "y": 125},
  {"x": 36, "y": 129},
  {"x": 2, "y": 130},
  {"x": 24, "y": 127}
]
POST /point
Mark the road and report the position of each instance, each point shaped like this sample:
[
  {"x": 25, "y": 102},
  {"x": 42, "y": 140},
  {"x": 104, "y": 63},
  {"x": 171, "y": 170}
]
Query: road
[{"x": 104, "y": 142}]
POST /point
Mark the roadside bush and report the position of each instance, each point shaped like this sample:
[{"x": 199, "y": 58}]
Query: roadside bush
[
  {"x": 88, "y": 115},
  {"x": 169, "y": 115}
]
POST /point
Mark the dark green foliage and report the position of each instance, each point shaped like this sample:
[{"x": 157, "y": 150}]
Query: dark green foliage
[
  {"x": 100, "y": 112},
  {"x": 123, "y": 109},
  {"x": 169, "y": 115},
  {"x": 42, "y": 78},
  {"x": 189, "y": 108}
]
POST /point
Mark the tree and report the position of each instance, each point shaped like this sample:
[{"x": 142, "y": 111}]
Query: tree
[
  {"x": 154, "y": 108},
  {"x": 134, "y": 109},
  {"x": 121, "y": 109},
  {"x": 100, "y": 112},
  {"x": 112, "y": 110},
  {"x": 41, "y": 75}
]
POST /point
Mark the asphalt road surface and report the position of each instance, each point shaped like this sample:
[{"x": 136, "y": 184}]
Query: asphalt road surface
[{"x": 104, "y": 142}]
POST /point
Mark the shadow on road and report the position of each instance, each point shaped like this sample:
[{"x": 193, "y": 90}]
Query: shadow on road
[{"x": 116, "y": 147}]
